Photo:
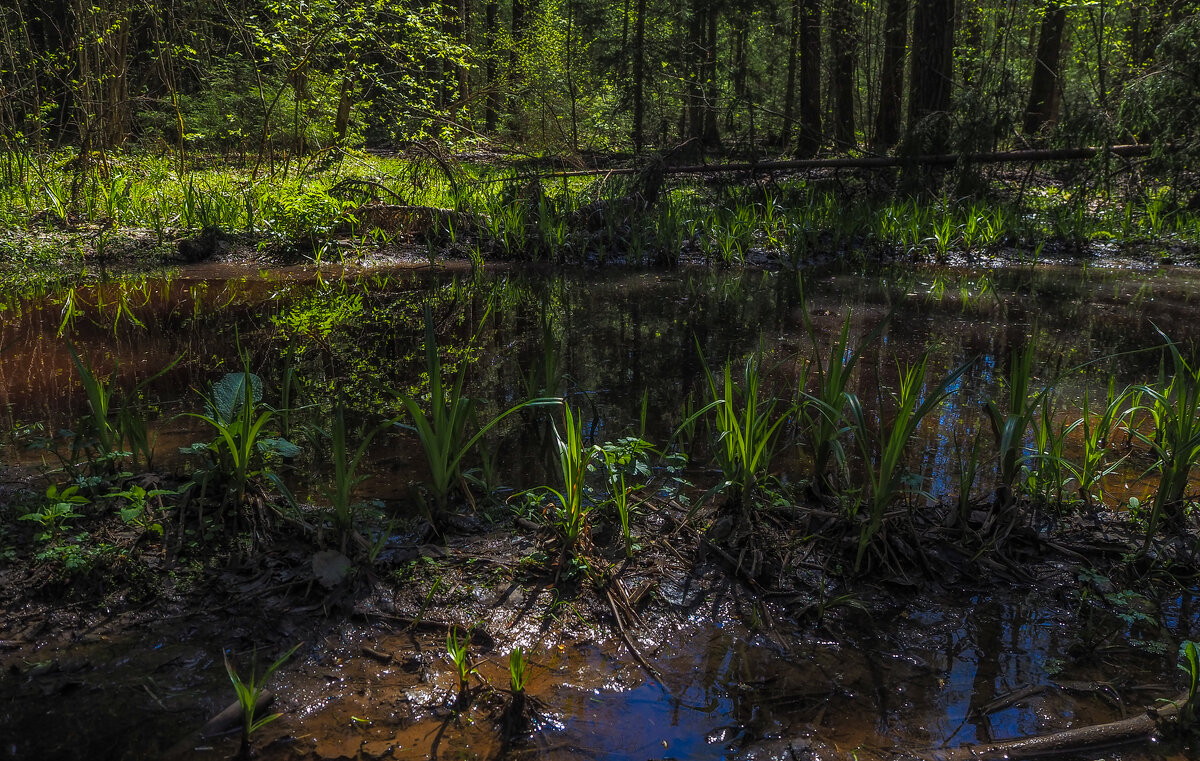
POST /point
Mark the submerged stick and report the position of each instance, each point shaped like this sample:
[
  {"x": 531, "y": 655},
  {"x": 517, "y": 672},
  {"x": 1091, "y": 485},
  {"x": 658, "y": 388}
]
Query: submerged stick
[
  {"x": 230, "y": 720},
  {"x": 1137, "y": 728}
]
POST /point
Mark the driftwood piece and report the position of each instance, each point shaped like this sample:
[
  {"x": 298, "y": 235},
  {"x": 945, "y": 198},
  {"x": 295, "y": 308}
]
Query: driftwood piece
[
  {"x": 230, "y": 719},
  {"x": 1136, "y": 728}
]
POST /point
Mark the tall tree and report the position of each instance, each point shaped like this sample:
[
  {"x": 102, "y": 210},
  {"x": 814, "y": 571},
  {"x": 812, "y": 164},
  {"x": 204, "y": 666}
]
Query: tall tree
[
  {"x": 1044, "y": 88},
  {"x": 810, "y": 135},
  {"x": 891, "y": 75},
  {"x": 639, "y": 75},
  {"x": 930, "y": 78},
  {"x": 844, "y": 44}
]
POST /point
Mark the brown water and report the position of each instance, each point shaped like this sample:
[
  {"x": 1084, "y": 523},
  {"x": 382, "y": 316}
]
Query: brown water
[{"x": 731, "y": 687}]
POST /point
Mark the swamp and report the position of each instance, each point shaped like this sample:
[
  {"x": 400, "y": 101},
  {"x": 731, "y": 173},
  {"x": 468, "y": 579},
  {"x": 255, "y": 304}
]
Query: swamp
[{"x": 573, "y": 379}]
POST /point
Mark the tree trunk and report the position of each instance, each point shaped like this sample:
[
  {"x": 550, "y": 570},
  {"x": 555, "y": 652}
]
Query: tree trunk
[
  {"x": 891, "y": 78},
  {"x": 930, "y": 78},
  {"x": 789, "y": 92},
  {"x": 845, "y": 51},
  {"x": 1043, "y": 88},
  {"x": 492, "y": 106},
  {"x": 810, "y": 137},
  {"x": 712, "y": 135},
  {"x": 639, "y": 75}
]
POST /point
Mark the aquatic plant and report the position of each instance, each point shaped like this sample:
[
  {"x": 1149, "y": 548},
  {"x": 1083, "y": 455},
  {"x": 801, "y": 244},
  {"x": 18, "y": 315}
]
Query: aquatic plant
[
  {"x": 456, "y": 648},
  {"x": 821, "y": 411},
  {"x": 745, "y": 427},
  {"x": 1093, "y": 464},
  {"x": 518, "y": 670},
  {"x": 571, "y": 512},
  {"x": 235, "y": 411},
  {"x": 1011, "y": 424},
  {"x": 884, "y": 448},
  {"x": 1174, "y": 409},
  {"x": 443, "y": 432},
  {"x": 340, "y": 493},
  {"x": 249, "y": 693}
]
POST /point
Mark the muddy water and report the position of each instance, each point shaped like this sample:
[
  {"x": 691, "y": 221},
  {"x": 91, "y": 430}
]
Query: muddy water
[{"x": 731, "y": 685}]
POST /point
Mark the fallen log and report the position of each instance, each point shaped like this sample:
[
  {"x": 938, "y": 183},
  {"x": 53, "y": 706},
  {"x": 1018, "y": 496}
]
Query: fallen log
[
  {"x": 1134, "y": 729},
  {"x": 888, "y": 162}
]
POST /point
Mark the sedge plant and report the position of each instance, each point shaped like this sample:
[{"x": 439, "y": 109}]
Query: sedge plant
[
  {"x": 1174, "y": 409},
  {"x": 250, "y": 694},
  {"x": 745, "y": 427},
  {"x": 821, "y": 413},
  {"x": 884, "y": 449},
  {"x": 443, "y": 431}
]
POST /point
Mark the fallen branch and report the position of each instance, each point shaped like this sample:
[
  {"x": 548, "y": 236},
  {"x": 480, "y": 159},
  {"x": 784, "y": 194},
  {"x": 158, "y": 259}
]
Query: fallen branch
[
  {"x": 888, "y": 162},
  {"x": 1137, "y": 728}
]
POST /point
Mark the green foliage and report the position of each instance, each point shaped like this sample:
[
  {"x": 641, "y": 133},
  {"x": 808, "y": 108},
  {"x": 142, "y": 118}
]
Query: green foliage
[
  {"x": 340, "y": 494},
  {"x": 249, "y": 692},
  {"x": 138, "y": 510},
  {"x": 1011, "y": 424},
  {"x": 236, "y": 413},
  {"x": 456, "y": 648},
  {"x": 1190, "y": 664},
  {"x": 1174, "y": 410},
  {"x": 58, "y": 508},
  {"x": 626, "y": 472},
  {"x": 821, "y": 411},
  {"x": 884, "y": 448},
  {"x": 745, "y": 427},
  {"x": 574, "y": 458},
  {"x": 443, "y": 431},
  {"x": 518, "y": 670}
]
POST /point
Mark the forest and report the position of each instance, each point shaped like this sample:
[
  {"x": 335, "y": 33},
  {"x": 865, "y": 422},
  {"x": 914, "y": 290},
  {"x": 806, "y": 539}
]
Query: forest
[{"x": 676, "y": 379}]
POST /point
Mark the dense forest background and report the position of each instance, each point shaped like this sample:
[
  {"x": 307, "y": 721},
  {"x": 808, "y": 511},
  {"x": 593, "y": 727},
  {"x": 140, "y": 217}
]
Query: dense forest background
[{"x": 568, "y": 77}]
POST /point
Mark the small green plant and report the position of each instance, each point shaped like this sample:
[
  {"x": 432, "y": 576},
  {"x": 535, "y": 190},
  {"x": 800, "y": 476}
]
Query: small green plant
[
  {"x": 626, "y": 472},
  {"x": 572, "y": 510},
  {"x": 745, "y": 427},
  {"x": 518, "y": 671},
  {"x": 443, "y": 432},
  {"x": 1190, "y": 664},
  {"x": 138, "y": 510},
  {"x": 884, "y": 449},
  {"x": 456, "y": 648},
  {"x": 1093, "y": 464},
  {"x": 340, "y": 493},
  {"x": 249, "y": 694},
  {"x": 821, "y": 412},
  {"x": 59, "y": 508},
  {"x": 1010, "y": 425},
  {"x": 1174, "y": 409},
  {"x": 235, "y": 411}
]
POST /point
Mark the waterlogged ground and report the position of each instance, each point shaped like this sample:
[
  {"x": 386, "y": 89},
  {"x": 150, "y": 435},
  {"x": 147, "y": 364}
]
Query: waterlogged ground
[{"x": 821, "y": 670}]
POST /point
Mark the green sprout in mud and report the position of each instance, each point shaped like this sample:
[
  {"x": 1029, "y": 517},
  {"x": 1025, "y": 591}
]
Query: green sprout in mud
[
  {"x": 249, "y": 694},
  {"x": 456, "y": 648},
  {"x": 518, "y": 670}
]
